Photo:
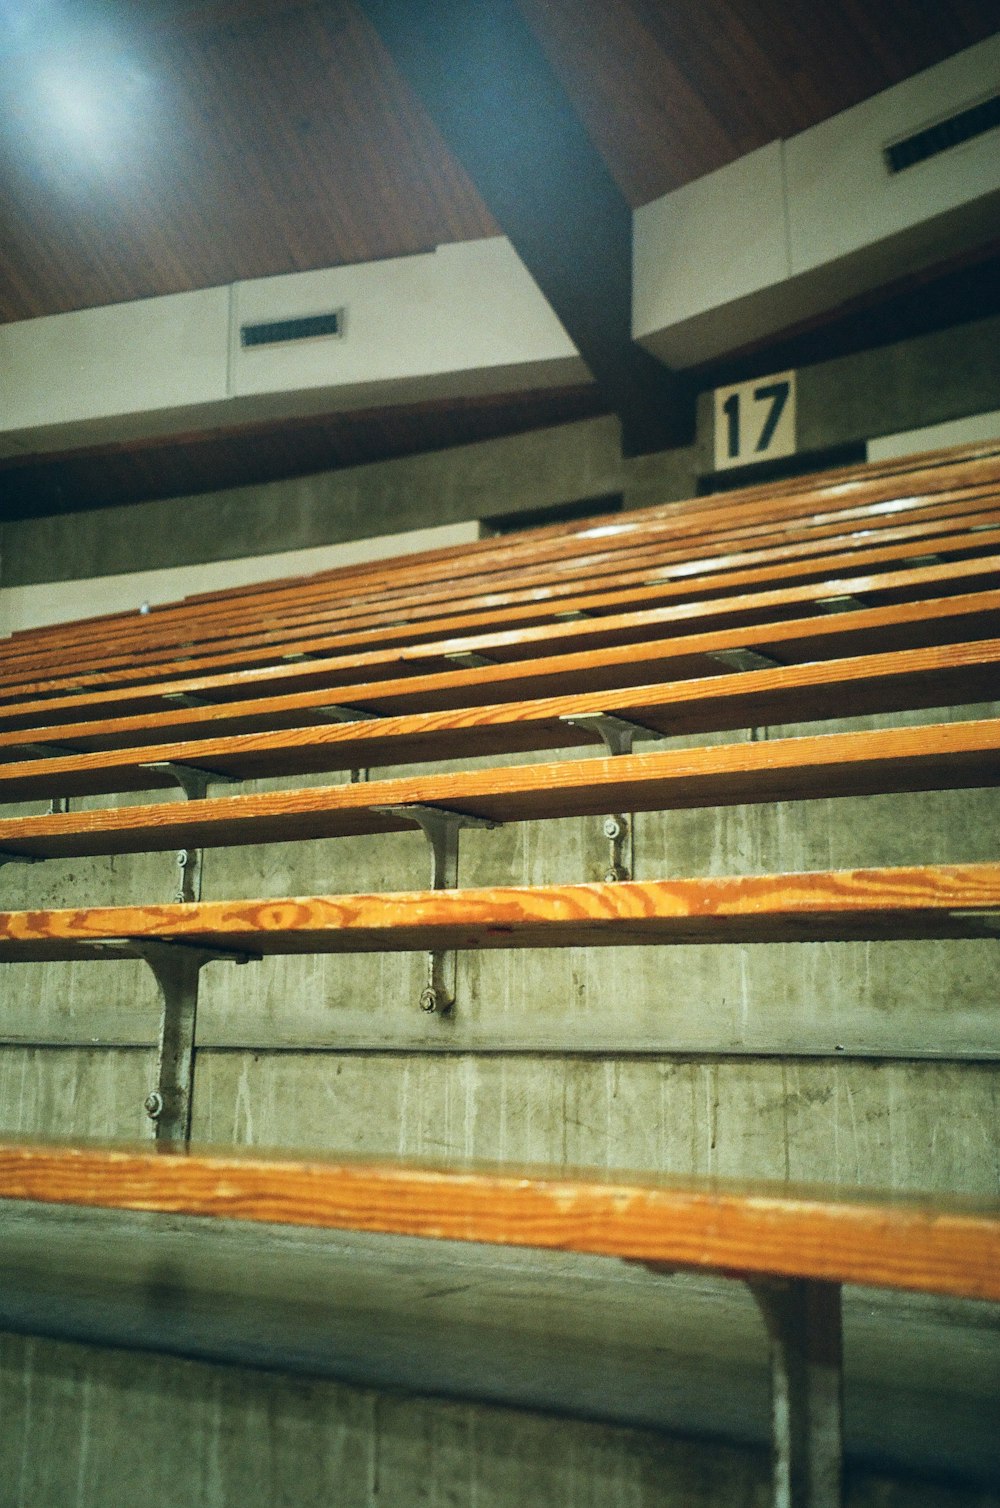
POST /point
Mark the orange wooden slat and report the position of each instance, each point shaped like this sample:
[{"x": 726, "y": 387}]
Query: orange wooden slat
[
  {"x": 937, "y": 676},
  {"x": 917, "y": 901},
  {"x": 932, "y": 1243},
  {"x": 940, "y": 756},
  {"x": 792, "y": 642}
]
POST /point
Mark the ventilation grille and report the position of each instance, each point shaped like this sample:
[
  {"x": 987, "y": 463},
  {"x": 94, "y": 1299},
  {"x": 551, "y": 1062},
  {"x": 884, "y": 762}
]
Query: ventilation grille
[
  {"x": 279, "y": 331},
  {"x": 933, "y": 140}
]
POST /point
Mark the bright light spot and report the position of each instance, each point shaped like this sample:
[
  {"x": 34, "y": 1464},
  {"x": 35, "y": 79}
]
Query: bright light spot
[
  {"x": 604, "y": 530},
  {"x": 94, "y": 111}
]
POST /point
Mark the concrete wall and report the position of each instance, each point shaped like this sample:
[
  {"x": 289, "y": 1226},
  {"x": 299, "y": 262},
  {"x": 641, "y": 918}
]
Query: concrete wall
[{"x": 847, "y": 1063}]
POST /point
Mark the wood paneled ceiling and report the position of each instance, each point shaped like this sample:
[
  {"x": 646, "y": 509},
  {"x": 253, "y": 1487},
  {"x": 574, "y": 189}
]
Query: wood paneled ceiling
[{"x": 260, "y": 138}]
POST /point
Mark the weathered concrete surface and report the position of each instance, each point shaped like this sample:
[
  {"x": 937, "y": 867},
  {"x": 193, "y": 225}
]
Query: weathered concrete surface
[
  {"x": 511, "y": 475},
  {"x": 92, "y": 1428},
  {"x": 587, "y": 1337},
  {"x": 941, "y": 376}
]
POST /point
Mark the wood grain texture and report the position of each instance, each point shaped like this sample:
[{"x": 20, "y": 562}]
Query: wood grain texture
[
  {"x": 879, "y": 496},
  {"x": 917, "y": 901},
  {"x": 321, "y": 670},
  {"x": 941, "y": 756},
  {"x": 938, "y": 676},
  {"x": 292, "y": 143},
  {"x": 935, "y": 1245},
  {"x": 138, "y": 645},
  {"x": 828, "y": 636},
  {"x": 428, "y": 622},
  {"x": 677, "y": 532}
]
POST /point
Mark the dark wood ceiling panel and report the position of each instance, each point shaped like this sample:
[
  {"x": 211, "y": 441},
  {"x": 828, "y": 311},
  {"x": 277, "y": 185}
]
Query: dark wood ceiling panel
[
  {"x": 264, "y": 143},
  {"x": 251, "y": 138},
  {"x": 672, "y": 91}
]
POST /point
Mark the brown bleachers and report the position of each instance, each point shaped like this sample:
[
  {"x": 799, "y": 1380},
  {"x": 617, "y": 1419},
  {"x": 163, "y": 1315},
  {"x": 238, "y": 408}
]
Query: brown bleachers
[
  {"x": 930, "y": 757},
  {"x": 863, "y": 593},
  {"x": 265, "y": 623},
  {"x": 795, "y": 1232}
]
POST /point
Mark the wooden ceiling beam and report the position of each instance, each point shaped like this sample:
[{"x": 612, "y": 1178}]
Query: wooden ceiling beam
[{"x": 483, "y": 77}]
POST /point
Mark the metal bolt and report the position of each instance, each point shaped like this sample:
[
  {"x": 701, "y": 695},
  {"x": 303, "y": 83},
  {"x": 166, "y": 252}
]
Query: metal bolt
[
  {"x": 429, "y": 999},
  {"x": 182, "y": 858},
  {"x": 154, "y": 1105},
  {"x": 614, "y": 874},
  {"x": 613, "y": 827}
]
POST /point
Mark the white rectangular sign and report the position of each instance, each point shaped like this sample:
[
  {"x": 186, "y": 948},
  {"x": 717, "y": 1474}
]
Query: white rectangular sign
[{"x": 755, "y": 421}]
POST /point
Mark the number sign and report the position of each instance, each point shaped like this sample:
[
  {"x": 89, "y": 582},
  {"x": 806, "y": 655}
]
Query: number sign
[{"x": 755, "y": 421}]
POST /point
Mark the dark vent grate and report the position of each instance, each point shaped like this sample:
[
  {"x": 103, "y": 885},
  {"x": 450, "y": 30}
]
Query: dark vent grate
[
  {"x": 276, "y": 331},
  {"x": 964, "y": 126}
]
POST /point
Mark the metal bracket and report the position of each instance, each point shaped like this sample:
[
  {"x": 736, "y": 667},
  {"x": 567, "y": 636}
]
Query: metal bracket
[
  {"x": 186, "y": 699},
  {"x": 58, "y": 806},
  {"x": 337, "y": 714},
  {"x": 841, "y": 604},
  {"x": 744, "y": 659},
  {"x": 803, "y": 1319},
  {"x": 467, "y": 659},
  {"x": 176, "y": 967},
  {"x": 619, "y": 832},
  {"x": 441, "y": 828},
  {"x": 192, "y": 779},
  {"x": 194, "y": 783},
  {"x": 48, "y": 751},
  {"x": 616, "y": 733}
]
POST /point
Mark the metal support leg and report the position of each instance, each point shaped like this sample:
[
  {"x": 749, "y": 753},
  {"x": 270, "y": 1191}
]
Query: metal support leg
[
  {"x": 176, "y": 969},
  {"x": 617, "y": 736},
  {"x": 441, "y": 829},
  {"x": 803, "y": 1320},
  {"x": 193, "y": 780},
  {"x": 619, "y": 832}
]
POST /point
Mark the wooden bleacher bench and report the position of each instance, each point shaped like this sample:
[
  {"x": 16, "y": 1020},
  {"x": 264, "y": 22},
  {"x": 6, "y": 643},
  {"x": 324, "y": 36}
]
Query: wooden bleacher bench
[
  {"x": 860, "y": 904},
  {"x": 862, "y": 593},
  {"x": 755, "y": 612},
  {"x": 122, "y": 639},
  {"x": 929, "y": 757},
  {"x": 889, "y": 682},
  {"x": 948, "y": 1246}
]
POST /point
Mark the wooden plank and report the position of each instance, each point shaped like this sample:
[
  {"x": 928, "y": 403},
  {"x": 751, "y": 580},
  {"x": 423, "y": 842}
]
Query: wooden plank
[
  {"x": 937, "y": 676},
  {"x": 940, "y": 756},
  {"x": 869, "y": 630},
  {"x": 427, "y": 623},
  {"x": 897, "y": 588},
  {"x": 820, "y": 500},
  {"x": 839, "y": 905},
  {"x": 142, "y": 646},
  {"x": 931, "y": 1244},
  {"x": 632, "y": 544}
]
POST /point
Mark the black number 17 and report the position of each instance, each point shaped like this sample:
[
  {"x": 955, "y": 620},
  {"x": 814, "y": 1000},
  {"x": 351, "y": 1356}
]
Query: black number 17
[{"x": 777, "y": 393}]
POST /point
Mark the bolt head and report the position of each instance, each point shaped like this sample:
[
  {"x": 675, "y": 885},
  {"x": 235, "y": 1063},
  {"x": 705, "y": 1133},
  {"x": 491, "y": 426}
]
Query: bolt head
[
  {"x": 428, "y": 999},
  {"x": 154, "y": 1105},
  {"x": 612, "y": 827}
]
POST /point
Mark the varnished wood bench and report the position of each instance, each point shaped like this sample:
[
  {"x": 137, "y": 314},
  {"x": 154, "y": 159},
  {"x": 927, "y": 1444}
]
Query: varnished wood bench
[
  {"x": 668, "y": 590},
  {"x": 906, "y": 679},
  {"x": 796, "y": 641},
  {"x": 755, "y": 613},
  {"x": 914, "y": 901},
  {"x": 795, "y": 1246},
  {"x": 239, "y": 622},
  {"x": 930, "y": 757}
]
